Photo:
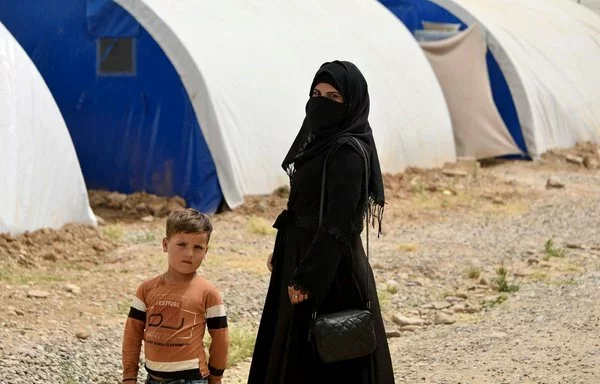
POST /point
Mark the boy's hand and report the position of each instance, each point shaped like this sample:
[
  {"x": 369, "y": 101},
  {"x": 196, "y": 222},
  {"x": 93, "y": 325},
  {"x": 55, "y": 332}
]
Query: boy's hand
[{"x": 270, "y": 262}]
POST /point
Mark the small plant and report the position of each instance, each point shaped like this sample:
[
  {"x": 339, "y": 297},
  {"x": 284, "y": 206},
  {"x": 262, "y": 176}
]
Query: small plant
[
  {"x": 15, "y": 275},
  {"x": 475, "y": 170},
  {"x": 114, "y": 232},
  {"x": 241, "y": 344},
  {"x": 393, "y": 289},
  {"x": 563, "y": 283},
  {"x": 123, "y": 307},
  {"x": 474, "y": 272},
  {"x": 445, "y": 203},
  {"x": 502, "y": 283},
  {"x": 552, "y": 251},
  {"x": 141, "y": 237},
  {"x": 260, "y": 226},
  {"x": 385, "y": 299},
  {"x": 497, "y": 301},
  {"x": 539, "y": 276},
  {"x": 407, "y": 247}
]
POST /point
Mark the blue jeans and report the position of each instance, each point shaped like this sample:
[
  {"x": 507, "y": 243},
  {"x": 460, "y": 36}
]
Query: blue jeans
[{"x": 177, "y": 381}]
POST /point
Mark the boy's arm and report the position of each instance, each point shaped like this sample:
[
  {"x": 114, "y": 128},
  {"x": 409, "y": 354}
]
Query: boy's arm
[
  {"x": 216, "y": 322},
  {"x": 132, "y": 338}
]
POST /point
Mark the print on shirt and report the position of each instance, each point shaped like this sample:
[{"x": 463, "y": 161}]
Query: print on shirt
[{"x": 169, "y": 320}]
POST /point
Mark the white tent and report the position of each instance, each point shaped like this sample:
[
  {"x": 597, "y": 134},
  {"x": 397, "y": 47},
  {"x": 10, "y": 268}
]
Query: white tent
[
  {"x": 247, "y": 66},
  {"x": 549, "y": 53},
  {"x": 42, "y": 184}
]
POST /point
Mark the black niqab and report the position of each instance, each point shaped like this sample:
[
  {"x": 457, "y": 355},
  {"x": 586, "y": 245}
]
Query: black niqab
[{"x": 309, "y": 142}]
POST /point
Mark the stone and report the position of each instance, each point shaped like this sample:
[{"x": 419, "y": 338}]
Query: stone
[
  {"x": 498, "y": 201},
  {"x": 454, "y": 299},
  {"x": 461, "y": 295},
  {"x": 158, "y": 209},
  {"x": 38, "y": 294},
  {"x": 263, "y": 206},
  {"x": 443, "y": 319},
  {"x": 590, "y": 162},
  {"x": 467, "y": 307},
  {"x": 414, "y": 284},
  {"x": 82, "y": 334},
  {"x": 148, "y": 218},
  {"x": 402, "y": 320},
  {"x": 73, "y": 289},
  {"x": 554, "y": 182},
  {"x": 441, "y": 305},
  {"x": 100, "y": 247},
  {"x": 454, "y": 172},
  {"x": 100, "y": 220},
  {"x": 409, "y": 328},
  {"x": 50, "y": 256},
  {"x": 573, "y": 159},
  {"x": 459, "y": 308},
  {"x": 141, "y": 207},
  {"x": 391, "y": 334}
]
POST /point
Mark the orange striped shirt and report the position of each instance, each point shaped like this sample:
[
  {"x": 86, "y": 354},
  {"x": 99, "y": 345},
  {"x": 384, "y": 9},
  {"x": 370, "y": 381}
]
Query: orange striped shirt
[{"x": 171, "y": 319}]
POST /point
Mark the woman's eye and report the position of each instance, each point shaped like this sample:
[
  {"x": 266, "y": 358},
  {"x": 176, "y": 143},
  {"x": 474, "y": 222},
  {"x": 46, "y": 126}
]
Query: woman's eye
[{"x": 316, "y": 92}]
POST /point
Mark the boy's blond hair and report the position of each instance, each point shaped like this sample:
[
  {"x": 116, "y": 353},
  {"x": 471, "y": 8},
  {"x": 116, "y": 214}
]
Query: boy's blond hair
[{"x": 188, "y": 220}]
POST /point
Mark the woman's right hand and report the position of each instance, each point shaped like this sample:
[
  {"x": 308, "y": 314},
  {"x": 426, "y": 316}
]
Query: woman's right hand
[{"x": 270, "y": 262}]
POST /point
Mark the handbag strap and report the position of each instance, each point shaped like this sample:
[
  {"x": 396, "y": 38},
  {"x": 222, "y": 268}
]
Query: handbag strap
[{"x": 363, "y": 153}]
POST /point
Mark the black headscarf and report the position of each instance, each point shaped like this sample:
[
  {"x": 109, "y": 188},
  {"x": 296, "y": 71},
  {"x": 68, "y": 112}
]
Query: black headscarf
[{"x": 311, "y": 142}]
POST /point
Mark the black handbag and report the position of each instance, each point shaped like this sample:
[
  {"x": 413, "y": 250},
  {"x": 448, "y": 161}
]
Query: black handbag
[{"x": 347, "y": 334}]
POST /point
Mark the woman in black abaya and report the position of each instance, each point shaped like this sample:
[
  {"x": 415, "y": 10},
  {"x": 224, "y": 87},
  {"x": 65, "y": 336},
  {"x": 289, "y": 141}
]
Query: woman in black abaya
[{"x": 324, "y": 265}]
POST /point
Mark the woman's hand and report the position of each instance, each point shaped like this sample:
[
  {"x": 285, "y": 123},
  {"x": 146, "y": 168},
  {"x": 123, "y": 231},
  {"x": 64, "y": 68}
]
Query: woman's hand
[
  {"x": 296, "y": 296},
  {"x": 270, "y": 262}
]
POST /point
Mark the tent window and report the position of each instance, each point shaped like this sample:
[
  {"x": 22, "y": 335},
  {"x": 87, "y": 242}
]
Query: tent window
[{"x": 116, "y": 56}]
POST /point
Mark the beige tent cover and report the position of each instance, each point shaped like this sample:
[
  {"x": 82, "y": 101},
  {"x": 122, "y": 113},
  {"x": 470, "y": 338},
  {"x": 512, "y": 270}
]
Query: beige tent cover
[{"x": 459, "y": 63}]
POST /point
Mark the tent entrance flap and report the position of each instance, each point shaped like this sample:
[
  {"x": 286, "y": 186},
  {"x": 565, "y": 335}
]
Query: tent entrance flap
[{"x": 460, "y": 65}]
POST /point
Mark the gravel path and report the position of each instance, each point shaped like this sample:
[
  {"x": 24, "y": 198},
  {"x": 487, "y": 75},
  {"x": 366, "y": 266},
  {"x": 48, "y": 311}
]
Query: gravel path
[{"x": 546, "y": 332}]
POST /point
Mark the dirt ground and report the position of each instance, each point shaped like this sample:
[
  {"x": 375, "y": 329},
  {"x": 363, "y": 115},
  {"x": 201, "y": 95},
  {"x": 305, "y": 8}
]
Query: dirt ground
[{"x": 486, "y": 273}]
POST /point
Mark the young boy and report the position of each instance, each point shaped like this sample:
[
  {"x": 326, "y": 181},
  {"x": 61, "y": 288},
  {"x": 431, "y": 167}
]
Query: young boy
[{"x": 170, "y": 312}]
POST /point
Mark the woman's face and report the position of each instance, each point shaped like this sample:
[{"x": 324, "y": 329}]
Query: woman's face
[{"x": 328, "y": 91}]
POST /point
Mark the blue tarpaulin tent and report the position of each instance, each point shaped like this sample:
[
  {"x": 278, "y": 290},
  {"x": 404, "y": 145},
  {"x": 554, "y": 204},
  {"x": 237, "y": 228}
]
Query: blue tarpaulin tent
[
  {"x": 128, "y": 113},
  {"x": 413, "y": 12},
  {"x": 542, "y": 63}
]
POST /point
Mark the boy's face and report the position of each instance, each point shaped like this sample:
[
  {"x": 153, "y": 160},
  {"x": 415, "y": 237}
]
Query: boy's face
[{"x": 186, "y": 251}]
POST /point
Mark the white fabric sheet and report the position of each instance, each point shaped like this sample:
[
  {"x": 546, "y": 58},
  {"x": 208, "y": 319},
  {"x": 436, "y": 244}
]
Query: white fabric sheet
[
  {"x": 41, "y": 181},
  {"x": 460, "y": 65}
]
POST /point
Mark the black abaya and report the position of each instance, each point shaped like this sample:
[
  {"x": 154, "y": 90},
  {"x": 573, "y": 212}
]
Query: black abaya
[{"x": 331, "y": 266}]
